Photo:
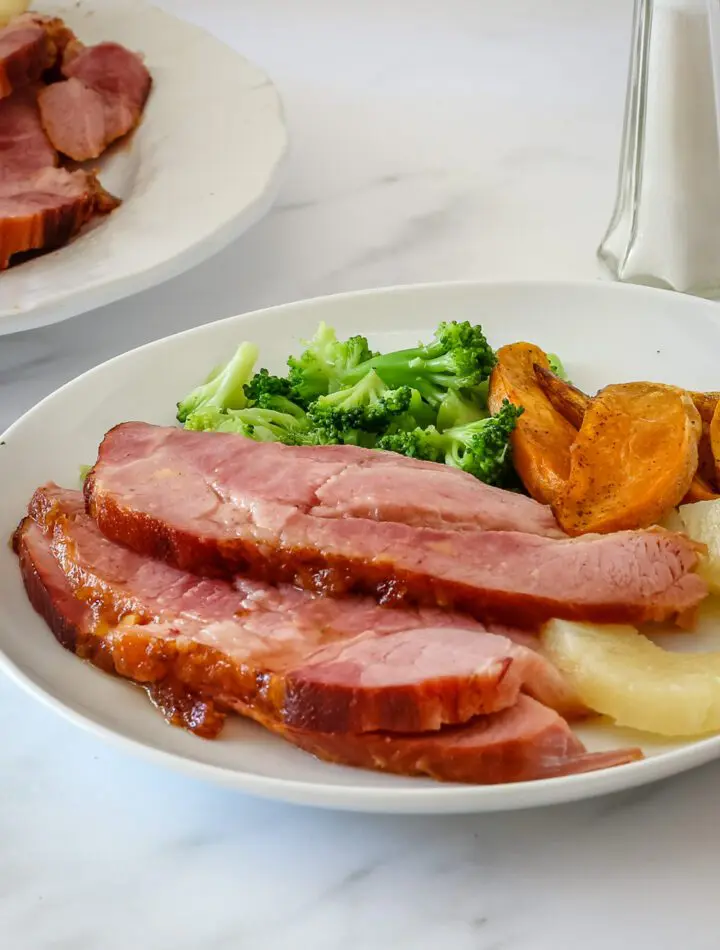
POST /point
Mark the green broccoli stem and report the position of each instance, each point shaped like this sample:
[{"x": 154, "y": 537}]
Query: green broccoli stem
[
  {"x": 230, "y": 391},
  {"x": 225, "y": 387}
]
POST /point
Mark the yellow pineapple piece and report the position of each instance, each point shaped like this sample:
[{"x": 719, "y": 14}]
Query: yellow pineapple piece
[
  {"x": 622, "y": 674},
  {"x": 12, "y": 8},
  {"x": 701, "y": 522}
]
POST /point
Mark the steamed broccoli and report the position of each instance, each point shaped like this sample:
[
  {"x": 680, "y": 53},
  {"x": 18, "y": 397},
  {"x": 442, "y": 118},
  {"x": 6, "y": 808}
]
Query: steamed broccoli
[
  {"x": 225, "y": 386},
  {"x": 263, "y": 425},
  {"x": 322, "y": 367},
  {"x": 265, "y": 391},
  {"x": 459, "y": 357},
  {"x": 369, "y": 405},
  {"x": 429, "y": 401},
  {"x": 557, "y": 367},
  {"x": 264, "y": 384},
  {"x": 480, "y": 448},
  {"x": 462, "y": 406}
]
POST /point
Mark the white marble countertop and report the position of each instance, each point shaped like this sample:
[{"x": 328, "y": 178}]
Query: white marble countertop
[{"x": 430, "y": 140}]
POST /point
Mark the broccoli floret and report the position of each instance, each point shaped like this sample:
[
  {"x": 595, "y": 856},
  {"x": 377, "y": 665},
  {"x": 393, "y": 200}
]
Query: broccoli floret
[
  {"x": 265, "y": 391},
  {"x": 225, "y": 386},
  {"x": 462, "y": 406},
  {"x": 323, "y": 365},
  {"x": 208, "y": 419},
  {"x": 459, "y": 357},
  {"x": 557, "y": 367},
  {"x": 418, "y": 414},
  {"x": 426, "y": 444},
  {"x": 481, "y": 447},
  {"x": 262, "y": 425},
  {"x": 264, "y": 384},
  {"x": 369, "y": 406}
]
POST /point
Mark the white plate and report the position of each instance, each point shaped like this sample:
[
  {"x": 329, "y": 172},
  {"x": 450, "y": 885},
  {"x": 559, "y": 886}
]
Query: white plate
[
  {"x": 605, "y": 332},
  {"x": 202, "y": 167}
]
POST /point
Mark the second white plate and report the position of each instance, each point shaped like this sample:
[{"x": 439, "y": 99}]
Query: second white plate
[{"x": 201, "y": 168}]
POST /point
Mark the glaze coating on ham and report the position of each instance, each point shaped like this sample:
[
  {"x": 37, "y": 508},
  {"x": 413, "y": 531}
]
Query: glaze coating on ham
[{"x": 218, "y": 504}]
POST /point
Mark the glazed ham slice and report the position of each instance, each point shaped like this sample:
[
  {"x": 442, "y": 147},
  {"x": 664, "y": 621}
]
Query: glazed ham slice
[
  {"x": 24, "y": 147},
  {"x": 218, "y": 504},
  {"x": 101, "y": 99},
  {"x": 426, "y": 495},
  {"x": 45, "y": 210},
  {"x": 304, "y": 660},
  {"x": 522, "y": 742},
  {"x": 41, "y": 207},
  {"x": 26, "y": 51}
]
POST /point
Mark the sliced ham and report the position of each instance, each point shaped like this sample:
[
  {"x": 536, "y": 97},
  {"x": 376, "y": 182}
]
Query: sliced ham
[
  {"x": 26, "y": 51},
  {"x": 41, "y": 206},
  {"x": 308, "y": 661},
  {"x": 424, "y": 494},
  {"x": 24, "y": 147},
  {"x": 101, "y": 100},
  {"x": 218, "y": 504},
  {"x": 45, "y": 210},
  {"x": 524, "y": 741}
]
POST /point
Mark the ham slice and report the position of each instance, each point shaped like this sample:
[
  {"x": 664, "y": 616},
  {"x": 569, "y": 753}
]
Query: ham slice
[
  {"x": 522, "y": 742},
  {"x": 26, "y": 51},
  {"x": 305, "y": 660},
  {"x": 219, "y": 504},
  {"x": 24, "y": 147},
  {"x": 101, "y": 100},
  {"x": 41, "y": 206},
  {"x": 45, "y": 210}
]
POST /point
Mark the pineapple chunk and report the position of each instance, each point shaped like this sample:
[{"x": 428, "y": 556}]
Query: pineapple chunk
[
  {"x": 619, "y": 673},
  {"x": 701, "y": 522},
  {"x": 12, "y": 8}
]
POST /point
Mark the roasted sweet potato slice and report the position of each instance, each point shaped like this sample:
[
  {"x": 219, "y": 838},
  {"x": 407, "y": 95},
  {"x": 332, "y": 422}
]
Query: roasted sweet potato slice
[
  {"x": 706, "y": 404},
  {"x": 541, "y": 442},
  {"x": 633, "y": 460},
  {"x": 713, "y": 439},
  {"x": 569, "y": 401}
]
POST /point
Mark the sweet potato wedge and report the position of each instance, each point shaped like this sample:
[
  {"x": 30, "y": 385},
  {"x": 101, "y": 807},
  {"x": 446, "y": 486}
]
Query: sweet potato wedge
[
  {"x": 569, "y": 401},
  {"x": 713, "y": 438},
  {"x": 541, "y": 442},
  {"x": 634, "y": 459},
  {"x": 706, "y": 404}
]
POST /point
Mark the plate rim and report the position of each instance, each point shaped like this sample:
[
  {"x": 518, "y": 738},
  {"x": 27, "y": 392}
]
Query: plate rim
[
  {"x": 440, "y": 798},
  {"x": 77, "y": 302}
]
